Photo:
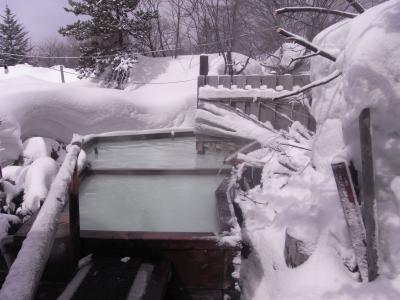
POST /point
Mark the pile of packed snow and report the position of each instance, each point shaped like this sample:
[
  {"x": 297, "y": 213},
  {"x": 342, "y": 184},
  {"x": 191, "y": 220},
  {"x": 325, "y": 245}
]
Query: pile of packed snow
[{"x": 307, "y": 205}]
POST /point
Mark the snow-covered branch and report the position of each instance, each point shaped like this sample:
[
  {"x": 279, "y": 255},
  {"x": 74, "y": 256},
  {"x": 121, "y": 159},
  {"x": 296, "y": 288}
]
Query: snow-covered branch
[
  {"x": 304, "y": 57},
  {"x": 308, "y": 45},
  {"x": 313, "y": 84},
  {"x": 315, "y": 9}
]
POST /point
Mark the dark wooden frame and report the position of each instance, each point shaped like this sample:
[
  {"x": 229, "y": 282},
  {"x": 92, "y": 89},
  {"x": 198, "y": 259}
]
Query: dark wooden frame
[{"x": 211, "y": 262}]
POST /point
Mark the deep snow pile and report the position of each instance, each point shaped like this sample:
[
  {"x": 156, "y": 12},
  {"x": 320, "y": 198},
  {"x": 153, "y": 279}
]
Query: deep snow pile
[{"x": 307, "y": 205}]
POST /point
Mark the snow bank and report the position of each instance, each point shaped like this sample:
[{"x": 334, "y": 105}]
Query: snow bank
[
  {"x": 368, "y": 52},
  {"x": 47, "y": 74},
  {"x": 37, "y": 147},
  {"x": 37, "y": 183}
]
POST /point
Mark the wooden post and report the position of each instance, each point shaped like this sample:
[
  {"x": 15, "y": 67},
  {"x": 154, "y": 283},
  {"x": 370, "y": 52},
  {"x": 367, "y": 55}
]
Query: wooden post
[
  {"x": 352, "y": 214},
  {"x": 369, "y": 212},
  {"x": 62, "y": 74},
  {"x": 74, "y": 223},
  {"x": 204, "y": 65},
  {"x": 2, "y": 191}
]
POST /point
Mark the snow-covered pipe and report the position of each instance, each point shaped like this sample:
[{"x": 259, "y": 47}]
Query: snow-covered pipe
[{"x": 26, "y": 271}]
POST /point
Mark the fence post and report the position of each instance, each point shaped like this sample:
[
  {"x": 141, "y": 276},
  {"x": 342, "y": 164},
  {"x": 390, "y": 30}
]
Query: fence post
[
  {"x": 202, "y": 79},
  {"x": 74, "y": 223},
  {"x": 62, "y": 74},
  {"x": 204, "y": 65},
  {"x": 2, "y": 191},
  {"x": 368, "y": 210}
]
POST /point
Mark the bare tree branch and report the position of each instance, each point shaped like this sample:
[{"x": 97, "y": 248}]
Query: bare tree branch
[
  {"x": 313, "y": 84},
  {"x": 308, "y": 45},
  {"x": 315, "y": 9},
  {"x": 357, "y": 6},
  {"x": 304, "y": 57}
]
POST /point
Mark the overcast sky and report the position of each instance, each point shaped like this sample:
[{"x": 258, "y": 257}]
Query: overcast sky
[{"x": 41, "y": 18}]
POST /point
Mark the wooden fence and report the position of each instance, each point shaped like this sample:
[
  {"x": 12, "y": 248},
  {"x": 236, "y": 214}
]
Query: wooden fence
[{"x": 280, "y": 114}]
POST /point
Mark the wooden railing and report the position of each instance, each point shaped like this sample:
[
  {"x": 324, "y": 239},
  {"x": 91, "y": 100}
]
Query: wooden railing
[{"x": 25, "y": 273}]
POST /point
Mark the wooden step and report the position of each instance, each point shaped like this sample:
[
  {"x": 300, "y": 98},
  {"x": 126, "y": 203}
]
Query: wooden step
[{"x": 113, "y": 279}]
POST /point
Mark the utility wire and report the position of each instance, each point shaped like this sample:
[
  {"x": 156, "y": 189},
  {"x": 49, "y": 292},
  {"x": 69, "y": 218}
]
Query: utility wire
[{"x": 132, "y": 82}]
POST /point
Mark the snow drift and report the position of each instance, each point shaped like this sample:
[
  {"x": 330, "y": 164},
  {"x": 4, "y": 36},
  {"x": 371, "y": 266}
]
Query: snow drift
[{"x": 368, "y": 54}]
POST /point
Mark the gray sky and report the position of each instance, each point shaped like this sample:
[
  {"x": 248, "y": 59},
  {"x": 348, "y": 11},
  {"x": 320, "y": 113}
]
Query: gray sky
[{"x": 41, "y": 18}]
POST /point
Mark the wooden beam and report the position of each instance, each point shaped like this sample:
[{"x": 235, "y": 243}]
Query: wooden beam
[
  {"x": 204, "y": 65},
  {"x": 369, "y": 211},
  {"x": 352, "y": 214},
  {"x": 74, "y": 220}
]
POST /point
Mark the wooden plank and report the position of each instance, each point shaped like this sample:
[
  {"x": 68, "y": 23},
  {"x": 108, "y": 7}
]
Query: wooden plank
[
  {"x": 74, "y": 220},
  {"x": 267, "y": 114},
  {"x": 301, "y": 80},
  {"x": 139, "y": 136},
  {"x": 108, "y": 278},
  {"x": 369, "y": 211},
  {"x": 212, "y": 81},
  {"x": 352, "y": 214},
  {"x": 239, "y": 81},
  {"x": 157, "y": 285},
  {"x": 254, "y": 81},
  {"x": 255, "y": 109},
  {"x": 116, "y": 171},
  {"x": 201, "y": 81},
  {"x": 225, "y": 81},
  {"x": 236, "y": 99},
  {"x": 286, "y": 81},
  {"x": 283, "y": 120},
  {"x": 269, "y": 81}
]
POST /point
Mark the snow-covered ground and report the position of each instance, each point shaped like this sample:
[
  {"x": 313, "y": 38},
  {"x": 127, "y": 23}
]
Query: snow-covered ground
[{"x": 307, "y": 205}]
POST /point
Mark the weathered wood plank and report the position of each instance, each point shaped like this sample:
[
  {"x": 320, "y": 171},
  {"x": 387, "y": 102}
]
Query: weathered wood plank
[
  {"x": 201, "y": 81},
  {"x": 352, "y": 213},
  {"x": 286, "y": 81},
  {"x": 255, "y": 109},
  {"x": 74, "y": 220},
  {"x": 212, "y": 81},
  {"x": 225, "y": 81},
  {"x": 269, "y": 81},
  {"x": 301, "y": 80},
  {"x": 254, "y": 81},
  {"x": 239, "y": 81},
  {"x": 369, "y": 211},
  {"x": 267, "y": 114}
]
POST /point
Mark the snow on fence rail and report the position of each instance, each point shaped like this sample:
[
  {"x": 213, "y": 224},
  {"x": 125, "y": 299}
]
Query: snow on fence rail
[
  {"x": 26, "y": 271},
  {"x": 253, "y": 94}
]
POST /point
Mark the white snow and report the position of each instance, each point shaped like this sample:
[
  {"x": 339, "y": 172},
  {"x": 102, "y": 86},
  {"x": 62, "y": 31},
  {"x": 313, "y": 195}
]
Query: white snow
[
  {"x": 37, "y": 183},
  {"x": 27, "y": 268},
  {"x": 306, "y": 203}
]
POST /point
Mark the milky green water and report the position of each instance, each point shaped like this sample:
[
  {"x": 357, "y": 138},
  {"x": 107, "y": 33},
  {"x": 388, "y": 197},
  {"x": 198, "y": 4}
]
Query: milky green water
[
  {"x": 156, "y": 203},
  {"x": 178, "y": 153}
]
